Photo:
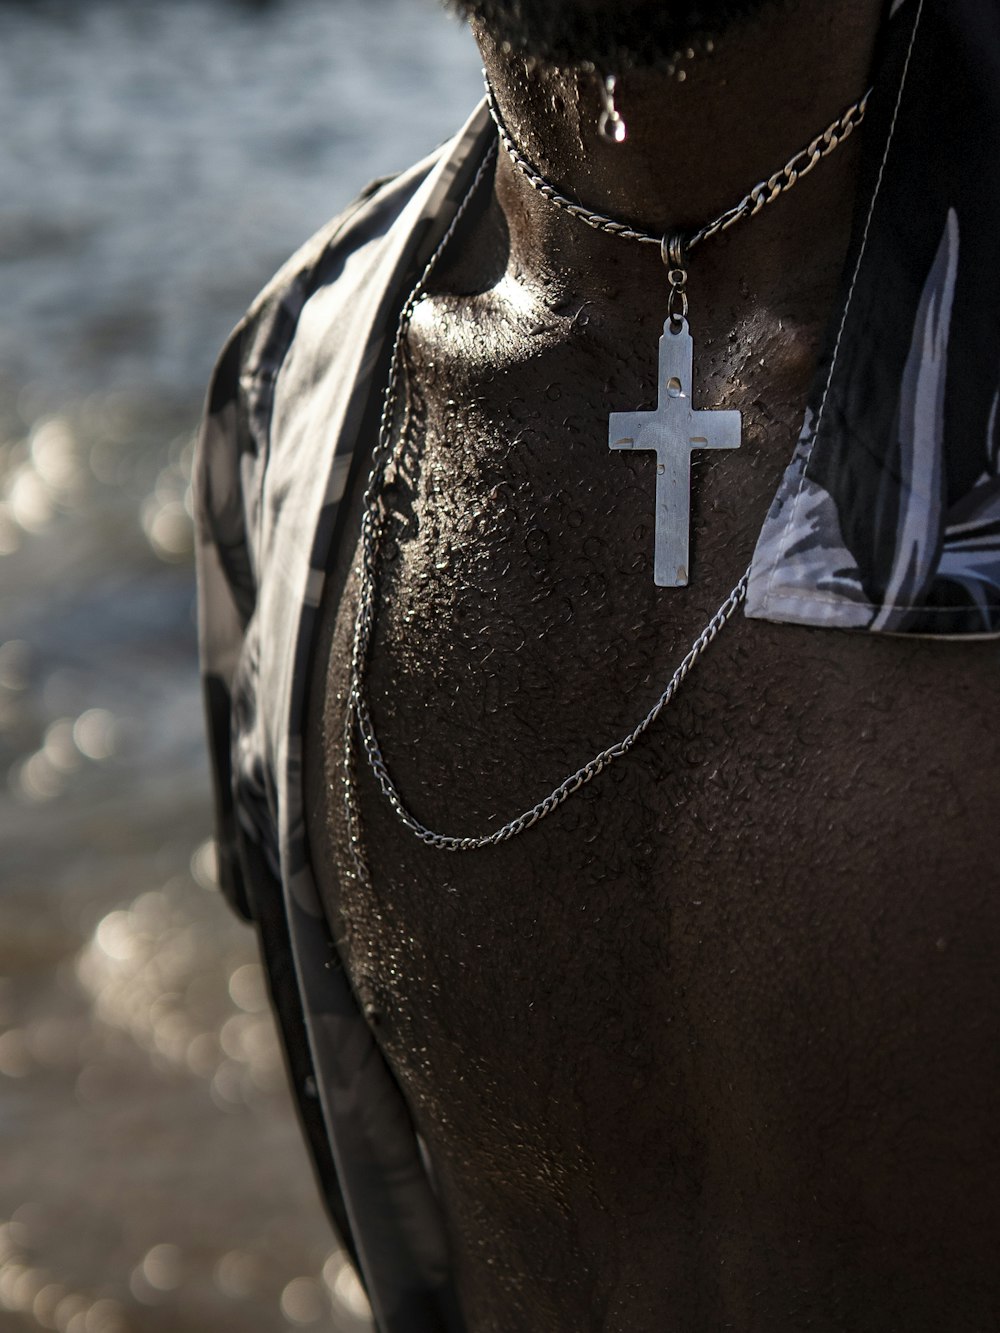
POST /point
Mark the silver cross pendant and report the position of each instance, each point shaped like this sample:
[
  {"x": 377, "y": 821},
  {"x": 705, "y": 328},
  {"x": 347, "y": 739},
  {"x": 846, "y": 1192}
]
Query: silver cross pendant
[{"x": 672, "y": 432}]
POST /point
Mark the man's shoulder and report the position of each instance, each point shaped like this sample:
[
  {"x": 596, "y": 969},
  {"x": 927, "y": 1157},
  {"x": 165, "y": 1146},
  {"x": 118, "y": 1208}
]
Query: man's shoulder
[{"x": 298, "y": 366}]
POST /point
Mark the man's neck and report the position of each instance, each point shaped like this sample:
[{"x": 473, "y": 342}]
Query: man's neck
[{"x": 694, "y": 146}]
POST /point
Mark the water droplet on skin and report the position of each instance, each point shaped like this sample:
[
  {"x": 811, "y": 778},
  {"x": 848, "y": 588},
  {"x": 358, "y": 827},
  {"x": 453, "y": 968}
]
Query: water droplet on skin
[{"x": 612, "y": 129}]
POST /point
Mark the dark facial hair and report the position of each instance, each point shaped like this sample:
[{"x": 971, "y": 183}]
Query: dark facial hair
[{"x": 605, "y": 33}]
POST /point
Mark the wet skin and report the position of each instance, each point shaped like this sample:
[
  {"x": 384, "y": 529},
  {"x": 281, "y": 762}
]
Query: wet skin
[{"x": 716, "y": 1046}]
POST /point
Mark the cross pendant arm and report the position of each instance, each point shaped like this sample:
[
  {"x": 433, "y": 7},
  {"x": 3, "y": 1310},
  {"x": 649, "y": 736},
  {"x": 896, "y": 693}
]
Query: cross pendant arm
[{"x": 672, "y": 432}]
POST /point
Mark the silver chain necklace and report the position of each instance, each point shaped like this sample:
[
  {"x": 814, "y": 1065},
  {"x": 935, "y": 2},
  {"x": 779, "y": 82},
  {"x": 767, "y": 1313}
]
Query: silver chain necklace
[
  {"x": 675, "y": 363},
  {"x": 675, "y": 429},
  {"x": 764, "y": 192}
]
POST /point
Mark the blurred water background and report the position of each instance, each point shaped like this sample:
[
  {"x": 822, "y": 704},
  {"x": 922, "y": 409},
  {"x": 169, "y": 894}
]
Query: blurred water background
[{"x": 158, "y": 160}]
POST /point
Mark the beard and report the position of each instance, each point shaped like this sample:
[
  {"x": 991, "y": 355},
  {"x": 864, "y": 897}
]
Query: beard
[{"x": 625, "y": 33}]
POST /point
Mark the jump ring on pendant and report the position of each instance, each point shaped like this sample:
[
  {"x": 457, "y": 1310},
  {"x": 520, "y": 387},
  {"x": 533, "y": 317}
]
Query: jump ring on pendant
[{"x": 677, "y": 307}]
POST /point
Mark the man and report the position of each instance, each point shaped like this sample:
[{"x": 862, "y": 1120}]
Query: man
[{"x": 714, "y": 1043}]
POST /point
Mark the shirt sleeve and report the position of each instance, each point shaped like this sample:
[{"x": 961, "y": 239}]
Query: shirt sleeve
[{"x": 226, "y": 592}]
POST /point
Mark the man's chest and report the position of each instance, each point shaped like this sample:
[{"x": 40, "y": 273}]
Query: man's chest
[
  {"x": 787, "y": 883},
  {"x": 519, "y": 632}
]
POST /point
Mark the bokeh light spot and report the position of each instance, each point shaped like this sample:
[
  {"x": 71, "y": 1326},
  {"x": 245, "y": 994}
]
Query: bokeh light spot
[
  {"x": 204, "y": 865},
  {"x": 168, "y": 528},
  {"x": 94, "y": 733},
  {"x": 59, "y": 747},
  {"x": 29, "y": 500},
  {"x": 236, "y": 1273},
  {"x": 105, "y": 1316},
  {"x": 14, "y": 1059},
  {"x": 45, "y": 1303},
  {"x": 162, "y": 1267},
  {"x": 247, "y": 988},
  {"x": 35, "y": 778},
  {"x": 344, "y": 1286},
  {"x": 53, "y": 452},
  {"x": 15, "y": 657},
  {"x": 349, "y": 1294},
  {"x": 114, "y": 936},
  {"x": 10, "y": 538},
  {"x": 303, "y": 1301},
  {"x": 67, "y": 1310}
]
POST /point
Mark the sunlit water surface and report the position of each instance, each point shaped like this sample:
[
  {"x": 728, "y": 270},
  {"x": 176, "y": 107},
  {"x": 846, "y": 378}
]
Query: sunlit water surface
[{"x": 158, "y": 161}]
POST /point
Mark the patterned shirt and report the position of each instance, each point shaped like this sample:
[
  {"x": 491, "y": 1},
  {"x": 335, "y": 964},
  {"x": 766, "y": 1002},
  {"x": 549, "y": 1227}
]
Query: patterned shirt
[{"x": 887, "y": 520}]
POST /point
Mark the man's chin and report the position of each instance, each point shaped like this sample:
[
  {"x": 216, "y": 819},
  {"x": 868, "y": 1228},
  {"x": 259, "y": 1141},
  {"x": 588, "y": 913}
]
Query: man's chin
[{"x": 625, "y": 32}]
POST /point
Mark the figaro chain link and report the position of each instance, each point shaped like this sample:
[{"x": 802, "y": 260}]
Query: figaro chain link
[{"x": 358, "y": 719}]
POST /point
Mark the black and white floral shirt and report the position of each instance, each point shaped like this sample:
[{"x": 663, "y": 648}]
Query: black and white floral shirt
[{"x": 887, "y": 520}]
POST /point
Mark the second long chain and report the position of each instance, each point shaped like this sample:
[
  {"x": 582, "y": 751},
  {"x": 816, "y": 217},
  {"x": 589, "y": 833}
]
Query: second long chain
[{"x": 358, "y": 719}]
